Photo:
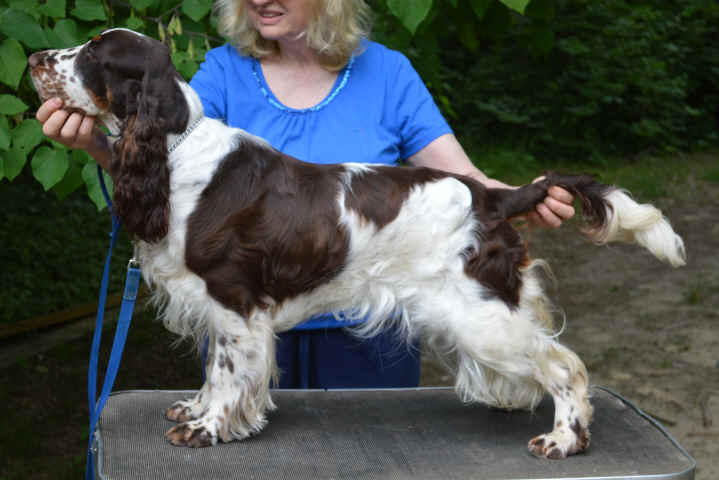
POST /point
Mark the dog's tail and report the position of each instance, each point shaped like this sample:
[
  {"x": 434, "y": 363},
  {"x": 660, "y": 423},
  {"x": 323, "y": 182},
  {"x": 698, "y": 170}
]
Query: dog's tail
[{"x": 611, "y": 214}]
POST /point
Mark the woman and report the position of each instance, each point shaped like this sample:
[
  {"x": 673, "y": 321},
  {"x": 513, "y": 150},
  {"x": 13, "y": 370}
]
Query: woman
[{"x": 302, "y": 75}]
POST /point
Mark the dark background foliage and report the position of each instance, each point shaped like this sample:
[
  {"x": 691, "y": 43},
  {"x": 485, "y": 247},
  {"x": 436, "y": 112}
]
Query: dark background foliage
[{"x": 580, "y": 79}]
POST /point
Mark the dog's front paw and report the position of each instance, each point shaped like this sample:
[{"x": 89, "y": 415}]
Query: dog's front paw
[
  {"x": 191, "y": 434},
  {"x": 560, "y": 443},
  {"x": 181, "y": 412}
]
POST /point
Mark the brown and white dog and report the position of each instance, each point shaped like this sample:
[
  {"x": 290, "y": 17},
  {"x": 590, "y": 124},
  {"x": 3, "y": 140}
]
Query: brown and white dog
[{"x": 240, "y": 241}]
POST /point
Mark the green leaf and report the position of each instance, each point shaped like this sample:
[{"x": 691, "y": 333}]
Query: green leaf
[
  {"x": 517, "y": 5},
  {"x": 480, "y": 6},
  {"x": 67, "y": 33},
  {"x": 135, "y": 23},
  {"x": 185, "y": 65},
  {"x": 4, "y": 136},
  {"x": 196, "y": 9},
  {"x": 14, "y": 162},
  {"x": 73, "y": 178},
  {"x": 49, "y": 166},
  {"x": 28, "y": 6},
  {"x": 410, "y": 12},
  {"x": 95, "y": 31},
  {"x": 27, "y": 135},
  {"x": 89, "y": 10},
  {"x": 11, "y": 105},
  {"x": 92, "y": 184},
  {"x": 141, "y": 4},
  {"x": 12, "y": 62},
  {"x": 53, "y": 8},
  {"x": 23, "y": 27}
]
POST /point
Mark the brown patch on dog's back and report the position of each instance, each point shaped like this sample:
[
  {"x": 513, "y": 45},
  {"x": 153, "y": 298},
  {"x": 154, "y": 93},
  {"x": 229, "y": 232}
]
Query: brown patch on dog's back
[{"x": 377, "y": 195}]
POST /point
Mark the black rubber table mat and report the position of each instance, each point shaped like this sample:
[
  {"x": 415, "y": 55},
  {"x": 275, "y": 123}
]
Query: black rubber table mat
[{"x": 384, "y": 434}]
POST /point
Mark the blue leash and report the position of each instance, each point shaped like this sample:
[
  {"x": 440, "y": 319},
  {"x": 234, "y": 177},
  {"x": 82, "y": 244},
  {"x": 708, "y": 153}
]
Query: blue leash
[{"x": 132, "y": 283}]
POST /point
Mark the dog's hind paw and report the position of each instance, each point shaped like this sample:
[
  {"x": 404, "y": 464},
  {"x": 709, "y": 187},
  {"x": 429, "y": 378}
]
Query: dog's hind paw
[
  {"x": 190, "y": 434},
  {"x": 560, "y": 443}
]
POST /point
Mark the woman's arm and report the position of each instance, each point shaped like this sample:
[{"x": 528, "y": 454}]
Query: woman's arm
[
  {"x": 74, "y": 130},
  {"x": 445, "y": 153}
]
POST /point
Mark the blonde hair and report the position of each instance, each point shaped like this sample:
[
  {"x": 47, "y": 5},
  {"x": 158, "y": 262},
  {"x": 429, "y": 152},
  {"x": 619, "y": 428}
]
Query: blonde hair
[{"x": 335, "y": 32}]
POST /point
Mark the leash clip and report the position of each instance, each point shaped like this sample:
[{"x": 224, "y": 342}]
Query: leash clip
[{"x": 134, "y": 262}]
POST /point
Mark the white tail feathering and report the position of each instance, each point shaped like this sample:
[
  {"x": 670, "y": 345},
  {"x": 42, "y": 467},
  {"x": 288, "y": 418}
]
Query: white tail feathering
[{"x": 629, "y": 221}]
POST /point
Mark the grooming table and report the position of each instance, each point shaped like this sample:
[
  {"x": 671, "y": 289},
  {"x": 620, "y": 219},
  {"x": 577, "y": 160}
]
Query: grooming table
[{"x": 408, "y": 434}]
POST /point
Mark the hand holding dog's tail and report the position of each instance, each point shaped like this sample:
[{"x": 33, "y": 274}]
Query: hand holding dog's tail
[{"x": 611, "y": 214}]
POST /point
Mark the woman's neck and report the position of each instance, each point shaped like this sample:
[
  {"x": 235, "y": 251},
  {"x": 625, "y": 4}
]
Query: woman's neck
[
  {"x": 296, "y": 76},
  {"x": 296, "y": 54}
]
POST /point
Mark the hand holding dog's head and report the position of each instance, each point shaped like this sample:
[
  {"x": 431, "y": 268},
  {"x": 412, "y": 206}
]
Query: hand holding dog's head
[{"x": 128, "y": 81}]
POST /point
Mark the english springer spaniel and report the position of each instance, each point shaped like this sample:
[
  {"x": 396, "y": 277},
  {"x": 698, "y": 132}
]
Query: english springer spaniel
[{"x": 239, "y": 241}]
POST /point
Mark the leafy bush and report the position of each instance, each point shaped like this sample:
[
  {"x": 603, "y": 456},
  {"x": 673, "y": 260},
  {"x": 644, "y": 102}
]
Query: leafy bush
[{"x": 605, "y": 78}]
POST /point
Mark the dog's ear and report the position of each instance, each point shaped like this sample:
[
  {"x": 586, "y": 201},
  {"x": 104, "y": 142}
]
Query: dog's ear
[{"x": 139, "y": 167}]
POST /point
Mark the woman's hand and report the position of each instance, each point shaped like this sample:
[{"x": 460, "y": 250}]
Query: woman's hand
[
  {"x": 557, "y": 207},
  {"x": 74, "y": 130}
]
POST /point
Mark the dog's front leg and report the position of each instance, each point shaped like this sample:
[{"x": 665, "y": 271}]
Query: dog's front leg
[
  {"x": 192, "y": 408},
  {"x": 236, "y": 395}
]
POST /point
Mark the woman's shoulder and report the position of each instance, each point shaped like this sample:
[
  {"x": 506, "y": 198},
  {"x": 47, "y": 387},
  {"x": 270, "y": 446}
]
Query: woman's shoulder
[
  {"x": 374, "y": 51},
  {"x": 379, "y": 63},
  {"x": 227, "y": 54}
]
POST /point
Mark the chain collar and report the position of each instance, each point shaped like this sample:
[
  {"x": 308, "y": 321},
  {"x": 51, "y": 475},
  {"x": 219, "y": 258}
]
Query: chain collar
[{"x": 184, "y": 136}]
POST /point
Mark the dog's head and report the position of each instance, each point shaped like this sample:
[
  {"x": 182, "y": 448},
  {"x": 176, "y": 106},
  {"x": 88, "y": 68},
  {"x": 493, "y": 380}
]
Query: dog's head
[
  {"x": 117, "y": 76},
  {"x": 127, "y": 80}
]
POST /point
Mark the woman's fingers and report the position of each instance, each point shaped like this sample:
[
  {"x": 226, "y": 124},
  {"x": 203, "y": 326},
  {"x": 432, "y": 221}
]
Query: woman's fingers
[
  {"x": 70, "y": 128},
  {"x": 547, "y": 217},
  {"x": 47, "y": 109},
  {"x": 561, "y": 209},
  {"x": 561, "y": 195},
  {"x": 73, "y": 130},
  {"x": 54, "y": 123}
]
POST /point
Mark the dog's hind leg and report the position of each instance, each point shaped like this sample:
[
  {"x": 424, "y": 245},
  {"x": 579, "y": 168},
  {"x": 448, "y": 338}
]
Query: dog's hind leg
[
  {"x": 512, "y": 364},
  {"x": 508, "y": 357},
  {"x": 236, "y": 392},
  {"x": 564, "y": 376}
]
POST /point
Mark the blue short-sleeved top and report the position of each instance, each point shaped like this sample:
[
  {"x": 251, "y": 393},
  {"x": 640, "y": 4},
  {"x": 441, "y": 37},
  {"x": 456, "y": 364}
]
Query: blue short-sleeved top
[{"x": 378, "y": 111}]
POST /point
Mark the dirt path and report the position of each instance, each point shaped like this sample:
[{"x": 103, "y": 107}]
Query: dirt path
[{"x": 643, "y": 329}]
